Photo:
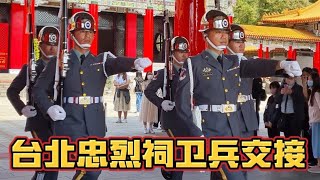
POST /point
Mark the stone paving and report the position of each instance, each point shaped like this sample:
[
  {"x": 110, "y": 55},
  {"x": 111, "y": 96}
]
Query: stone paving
[{"x": 11, "y": 125}]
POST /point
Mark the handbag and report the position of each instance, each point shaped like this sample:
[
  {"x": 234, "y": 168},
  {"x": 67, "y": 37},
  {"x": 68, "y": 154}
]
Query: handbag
[{"x": 196, "y": 113}]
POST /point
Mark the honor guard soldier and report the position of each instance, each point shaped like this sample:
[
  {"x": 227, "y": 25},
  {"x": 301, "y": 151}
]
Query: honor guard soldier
[
  {"x": 180, "y": 52},
  {"x": 82, "y": 114},
  {"x": 208, "y": 86},
  {"x": 37, "y": 123},
  {"x": 236, "y": 46}
]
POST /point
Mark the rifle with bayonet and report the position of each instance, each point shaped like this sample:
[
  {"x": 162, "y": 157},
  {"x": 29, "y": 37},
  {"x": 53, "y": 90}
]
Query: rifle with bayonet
[
  {"x": 62, "y": 55},
  {"x": 31, "y": 68},
  {"x": 167, "y": 56}
]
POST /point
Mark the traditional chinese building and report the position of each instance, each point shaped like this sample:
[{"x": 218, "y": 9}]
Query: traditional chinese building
[{"x": 293, "y": 34}]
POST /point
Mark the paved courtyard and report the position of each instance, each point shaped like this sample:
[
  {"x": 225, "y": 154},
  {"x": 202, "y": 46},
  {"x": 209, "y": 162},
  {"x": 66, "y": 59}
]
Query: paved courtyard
[{"x": 11, "y": 125}]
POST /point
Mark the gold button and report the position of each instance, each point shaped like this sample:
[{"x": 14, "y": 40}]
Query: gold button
[
  {"x": 236, "y": 75},
  {"x": 226, "y": 90},
  {"x": 98, "y": 69},
  {"x": 228, "y": 102},
  {"x": 223, "y": 78},
  {"x": 84, "y": 106},
  {"x": 228, "y": 114},
  {"x": 239, "y": 84},
  {"x": 82, "y": 83},
  {"x": 241, "y": 103},
  {"x": 84, "y": 94},
  {"x": 81, "y": 72},
  {"x": 208, "y": 77},
  {"x": 203, "y": 120}
]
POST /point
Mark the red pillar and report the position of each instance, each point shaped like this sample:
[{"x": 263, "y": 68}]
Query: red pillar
[
  {"x": 294, "y": 54},
  {"x": 181, "y": 18},
  {"x": 289, "y": 54},
  {"x": 197, "y": 10},
  {"x": 93, "y": 10},
  {"x": 188, "y": 24},
  {"x": 73, "y": 11},
  {"x": 148, "y": 37},
  {"x": 131, "y": 35},
  {"x": 316, "y": 56},
  {"x": 267, "y": 54},
  {"x": 18, "y": 39},
  {"x": 260, "y": 51}
]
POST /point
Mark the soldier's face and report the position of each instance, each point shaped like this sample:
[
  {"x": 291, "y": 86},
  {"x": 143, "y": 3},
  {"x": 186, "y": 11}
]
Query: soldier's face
[
  {"x": 84, "y": 36},
  {"x": 237, "y": 46},
  {"x": 219, "y": 37},
  {"x": 49, "y": 50},
  {"x": 181, "y": 56}
]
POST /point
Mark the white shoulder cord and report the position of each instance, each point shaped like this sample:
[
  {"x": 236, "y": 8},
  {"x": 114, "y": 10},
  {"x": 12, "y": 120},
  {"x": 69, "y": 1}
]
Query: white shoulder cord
[
  {"x": 191, "y": 82},
  {"x": 106, "y": 55}
]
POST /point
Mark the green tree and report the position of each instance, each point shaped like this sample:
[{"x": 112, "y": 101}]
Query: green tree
[{"x": 251, "y": 11}]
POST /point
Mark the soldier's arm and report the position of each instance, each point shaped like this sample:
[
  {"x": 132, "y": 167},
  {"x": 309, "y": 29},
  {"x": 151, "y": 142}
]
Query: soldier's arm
[
  {"x": 119, "y": 65},
  {"x": 151, "y": 91},
  {"x": 258, "y": 68},
  {"x": 183, "y": 105},
  {"x": 43, "y": 85},
  {"x": 17, "y": 85}
]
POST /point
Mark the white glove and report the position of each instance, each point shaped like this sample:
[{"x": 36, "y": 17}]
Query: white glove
[
  {"x": 141, "y": 63},
  {"x": 167, "y": 105},
  {"x": 292, "y": 68},
  {"x": 29, "y": 111},
  {"x": 56, "y": 113}
]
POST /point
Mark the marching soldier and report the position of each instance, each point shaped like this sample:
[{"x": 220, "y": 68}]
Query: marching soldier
[
  {"x": 37, "y": 123},
  {"x": 82, "y": 114},
  {"x": 180, "y": 51},
  {"x": 211, "y": 80},
  {"x": 245, "y": 100}
]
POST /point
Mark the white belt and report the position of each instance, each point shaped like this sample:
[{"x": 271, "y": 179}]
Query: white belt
[
  {"x": 223, "y": 108},
  {"x": 83, "y": 100},
  {"x": 244, "y": 98}
]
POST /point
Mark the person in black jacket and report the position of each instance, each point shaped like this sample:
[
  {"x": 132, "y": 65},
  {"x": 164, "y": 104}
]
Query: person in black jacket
[
  {"x": 292, "y": 107},
  {"x": 37, "y": 123},
  {"x": 259, "y": 94},
  {"x": 272, "y": 113}
]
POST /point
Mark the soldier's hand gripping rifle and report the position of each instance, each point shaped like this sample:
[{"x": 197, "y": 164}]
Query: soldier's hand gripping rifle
[
  {"x": 167, "y": 56},
  {"x": 33, "y": 45},
  {"x": 62, "y": 56}
]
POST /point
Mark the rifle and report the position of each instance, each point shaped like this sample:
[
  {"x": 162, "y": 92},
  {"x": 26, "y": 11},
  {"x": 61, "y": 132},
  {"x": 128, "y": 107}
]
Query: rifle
[
  {"x": 168, "y": 70},
  {"x": 62, "y": 55},
  {"x": 31, "y": 63}
]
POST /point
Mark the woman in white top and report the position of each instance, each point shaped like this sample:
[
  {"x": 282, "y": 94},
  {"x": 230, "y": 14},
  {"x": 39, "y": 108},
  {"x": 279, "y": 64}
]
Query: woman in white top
[{"x": 122, "y": 96}]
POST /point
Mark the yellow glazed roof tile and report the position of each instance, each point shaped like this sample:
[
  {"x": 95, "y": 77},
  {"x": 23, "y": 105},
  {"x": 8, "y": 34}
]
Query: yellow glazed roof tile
[
  {"x": 277, "y": 33},
  {"x": 310, "y": 13}
]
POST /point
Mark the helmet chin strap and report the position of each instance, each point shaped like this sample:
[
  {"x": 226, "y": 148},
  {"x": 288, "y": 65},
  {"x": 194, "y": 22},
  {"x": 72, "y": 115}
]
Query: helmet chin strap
[
  {"x": 240, "y": 55},
  {"x": 219, "y": 48},
  {"x": 45, "y": 55},
  {"x": 175, "y": 59},
  {"x": 83, "y": 46}
]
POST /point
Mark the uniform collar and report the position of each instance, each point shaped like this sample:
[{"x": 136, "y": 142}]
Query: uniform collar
[
  {"x": 78, "y": 54},
  {"x": 213, "y": 54}
]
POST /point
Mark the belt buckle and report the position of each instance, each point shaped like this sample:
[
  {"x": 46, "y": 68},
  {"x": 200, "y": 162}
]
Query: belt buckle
[
  {"x": 227, "y": 108},
  {"x": 84, "y": 100},
  {"x": 242, "y": 98}
]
